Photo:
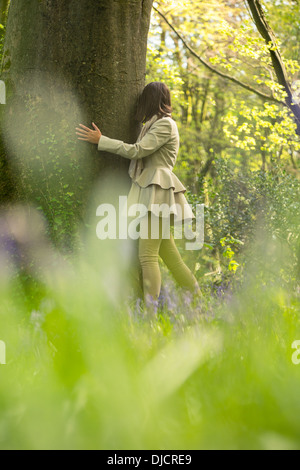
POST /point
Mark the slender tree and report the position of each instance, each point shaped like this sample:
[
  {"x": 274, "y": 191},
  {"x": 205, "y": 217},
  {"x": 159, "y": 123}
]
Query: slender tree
[
  {"x": 3, "y": 10},
  {"x": 268, "y": 35}
]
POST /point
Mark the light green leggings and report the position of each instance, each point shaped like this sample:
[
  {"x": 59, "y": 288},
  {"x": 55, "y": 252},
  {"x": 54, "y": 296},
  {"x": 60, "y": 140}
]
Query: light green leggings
[{"x": 149, "y": 251}]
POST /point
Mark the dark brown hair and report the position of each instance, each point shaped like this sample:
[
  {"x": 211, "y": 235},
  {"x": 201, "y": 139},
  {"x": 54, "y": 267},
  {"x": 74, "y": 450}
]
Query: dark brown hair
[{"x": 155, "y": 99}]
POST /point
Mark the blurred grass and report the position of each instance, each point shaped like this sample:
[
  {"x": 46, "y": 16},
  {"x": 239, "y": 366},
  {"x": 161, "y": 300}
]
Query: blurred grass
[{"x": 87, "y": 370}]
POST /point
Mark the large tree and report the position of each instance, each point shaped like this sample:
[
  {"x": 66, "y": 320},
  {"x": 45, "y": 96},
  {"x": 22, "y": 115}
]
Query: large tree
[
  {"x": 71, "y": 60},
  {"x": 66, "y": 62}
]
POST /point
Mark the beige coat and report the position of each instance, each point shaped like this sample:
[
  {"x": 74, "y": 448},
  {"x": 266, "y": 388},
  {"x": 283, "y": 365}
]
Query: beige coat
[{"x": 156, "y": 184}]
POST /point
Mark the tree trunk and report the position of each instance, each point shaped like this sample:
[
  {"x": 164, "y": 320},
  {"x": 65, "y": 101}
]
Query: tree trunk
[{"x": 65, "y": 63}]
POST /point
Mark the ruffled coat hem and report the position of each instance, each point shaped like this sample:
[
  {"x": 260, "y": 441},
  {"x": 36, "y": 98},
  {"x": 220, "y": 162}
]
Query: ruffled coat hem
[{"x": 162, "y": 193}]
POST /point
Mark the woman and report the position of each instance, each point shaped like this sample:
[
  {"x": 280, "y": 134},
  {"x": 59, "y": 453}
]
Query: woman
[{"x": 153, "y": 157}]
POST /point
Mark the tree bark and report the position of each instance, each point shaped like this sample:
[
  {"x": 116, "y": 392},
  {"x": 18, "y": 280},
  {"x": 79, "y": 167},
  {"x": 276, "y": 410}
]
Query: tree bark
[{"x": 67, "y": 62}]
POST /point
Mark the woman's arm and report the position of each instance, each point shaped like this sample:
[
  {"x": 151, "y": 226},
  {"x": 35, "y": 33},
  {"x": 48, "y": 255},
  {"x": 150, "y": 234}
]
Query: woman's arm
[{"x": 156, "y": 137}]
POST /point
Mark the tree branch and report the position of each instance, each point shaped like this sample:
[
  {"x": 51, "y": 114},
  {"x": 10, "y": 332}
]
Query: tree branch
[{"x": 215, "y": 71}]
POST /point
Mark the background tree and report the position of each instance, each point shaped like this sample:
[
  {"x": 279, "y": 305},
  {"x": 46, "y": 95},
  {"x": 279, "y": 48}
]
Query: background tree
[{"x": 3, "y": 10}]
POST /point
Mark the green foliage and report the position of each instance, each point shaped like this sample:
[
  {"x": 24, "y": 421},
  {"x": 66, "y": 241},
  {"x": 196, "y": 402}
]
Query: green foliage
[
  {"x": 101, "y": 374},
  {"x": 226, "y": 244},
  {"x": 217, "y": 117},
  {"x": 264, "y": 131},
  {"x": 237, "y": 205}
]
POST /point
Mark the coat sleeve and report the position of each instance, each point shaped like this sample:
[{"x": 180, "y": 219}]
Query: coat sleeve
[{"x": 158, "y": 135}]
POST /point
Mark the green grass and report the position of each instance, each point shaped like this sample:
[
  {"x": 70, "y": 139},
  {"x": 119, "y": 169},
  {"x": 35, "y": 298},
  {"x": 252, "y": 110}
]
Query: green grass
[{"x": 86, "y": 369}]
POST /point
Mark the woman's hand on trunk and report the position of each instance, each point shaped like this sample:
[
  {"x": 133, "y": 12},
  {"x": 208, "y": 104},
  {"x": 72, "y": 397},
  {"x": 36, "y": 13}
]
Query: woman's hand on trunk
[{"x": 89, "y": 135}]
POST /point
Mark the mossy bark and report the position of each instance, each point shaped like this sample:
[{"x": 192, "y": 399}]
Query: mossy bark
[
  {"x": 66, "y": 62},
  {"x": 71, "y": 60},
  {"x": 96, "y": 49}
]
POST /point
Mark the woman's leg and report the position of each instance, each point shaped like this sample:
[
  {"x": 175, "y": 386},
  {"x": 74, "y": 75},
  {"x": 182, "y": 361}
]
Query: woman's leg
[
  {"x": 148, "y": 255},
  {"x": 149, "y": 251},
  {"x": 149, "y": 259},
  {"x": 172, "y": 258}
]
